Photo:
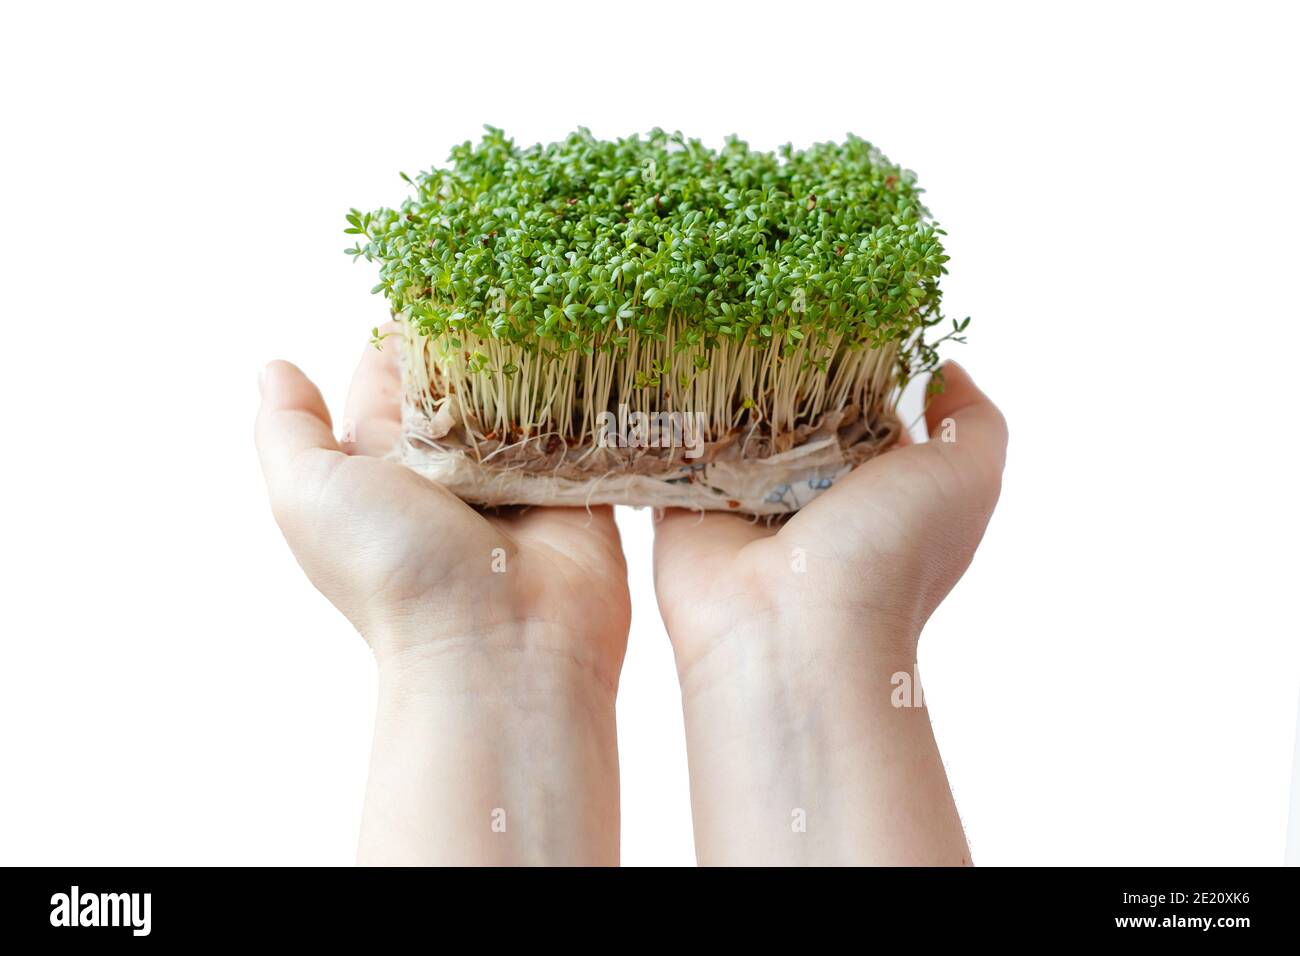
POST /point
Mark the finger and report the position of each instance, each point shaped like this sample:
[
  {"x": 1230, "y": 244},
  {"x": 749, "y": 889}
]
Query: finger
[
  {"x": 683, "y": 538},
  {"x": 573, "y": 531},
  {"x": 292, "y": 422},
  {"x": 598, "y": 518},
  {"x": 965, "y": 456},
  {"x": 372, "y": 417},
  {"x": 963, "y": 423}
]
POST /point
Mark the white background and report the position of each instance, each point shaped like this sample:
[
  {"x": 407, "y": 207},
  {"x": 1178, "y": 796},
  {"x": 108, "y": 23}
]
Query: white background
[{"x": 1115, "y": 681}]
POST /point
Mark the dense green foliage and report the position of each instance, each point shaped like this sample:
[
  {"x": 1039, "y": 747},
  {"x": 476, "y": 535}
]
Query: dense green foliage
[{"x": 573, "y": 245}]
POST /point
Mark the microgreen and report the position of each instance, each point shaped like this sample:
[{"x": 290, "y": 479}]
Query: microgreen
[
  {"x": 645, "y": 268},
  {"x": 377, "y": 339}
]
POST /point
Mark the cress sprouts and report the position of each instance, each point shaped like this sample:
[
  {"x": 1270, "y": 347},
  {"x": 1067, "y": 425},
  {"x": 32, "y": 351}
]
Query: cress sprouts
[{"x": 545, "y": 284}]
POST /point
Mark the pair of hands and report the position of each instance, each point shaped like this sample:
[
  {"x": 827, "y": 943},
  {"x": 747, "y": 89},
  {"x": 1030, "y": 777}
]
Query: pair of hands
[{"x": 438, "y": 588}]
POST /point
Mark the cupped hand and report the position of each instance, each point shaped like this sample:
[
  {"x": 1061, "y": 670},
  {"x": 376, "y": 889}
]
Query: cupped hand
[
  {"x": 411, "y": 565},
  {"x": 873, "y": 556}
]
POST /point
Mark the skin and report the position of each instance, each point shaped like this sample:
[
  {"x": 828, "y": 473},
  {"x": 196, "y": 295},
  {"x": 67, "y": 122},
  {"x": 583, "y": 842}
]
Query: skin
[
  {"x": 788, "y": 641},
  {"x": 499, "y": 640}
]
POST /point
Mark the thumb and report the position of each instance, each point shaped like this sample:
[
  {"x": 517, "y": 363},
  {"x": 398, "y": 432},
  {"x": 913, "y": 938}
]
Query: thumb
[
  {"x": 293, "y": 426},
  {"x": 966, "y": 427}
]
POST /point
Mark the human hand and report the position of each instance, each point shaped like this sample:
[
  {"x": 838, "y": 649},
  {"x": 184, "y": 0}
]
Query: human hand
[
  {"x": 789, "y": 641},
  {"x": 412, "y": 566},
  {"x": 499, "y": 638},
  {"x": 878, "y": 551}
]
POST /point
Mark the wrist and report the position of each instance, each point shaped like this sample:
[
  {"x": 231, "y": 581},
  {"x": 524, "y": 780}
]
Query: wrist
[
  {"x": 815, "y": 747},
  {"x": 496, "y": 660},
  {"x": 492, "y": 747},
  {"x": 798, "y": 648}
]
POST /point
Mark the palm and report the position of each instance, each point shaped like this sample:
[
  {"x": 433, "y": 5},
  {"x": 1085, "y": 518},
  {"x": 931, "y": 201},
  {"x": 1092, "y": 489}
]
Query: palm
[
  {"x": 386, "y": 545},
  {"x": 891, "y": 538}
]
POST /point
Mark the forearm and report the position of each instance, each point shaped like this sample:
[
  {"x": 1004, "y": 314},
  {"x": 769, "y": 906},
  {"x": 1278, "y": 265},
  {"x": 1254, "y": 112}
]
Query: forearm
[
  {"x": 798, "y": 754},
  {"x": 492, "y": 758}
]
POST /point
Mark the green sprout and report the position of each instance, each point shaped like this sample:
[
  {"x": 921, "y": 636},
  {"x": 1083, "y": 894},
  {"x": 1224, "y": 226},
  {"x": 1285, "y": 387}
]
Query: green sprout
[
  {"x": 377, "y": 340},
  {"x": 547, "y": 283}
]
